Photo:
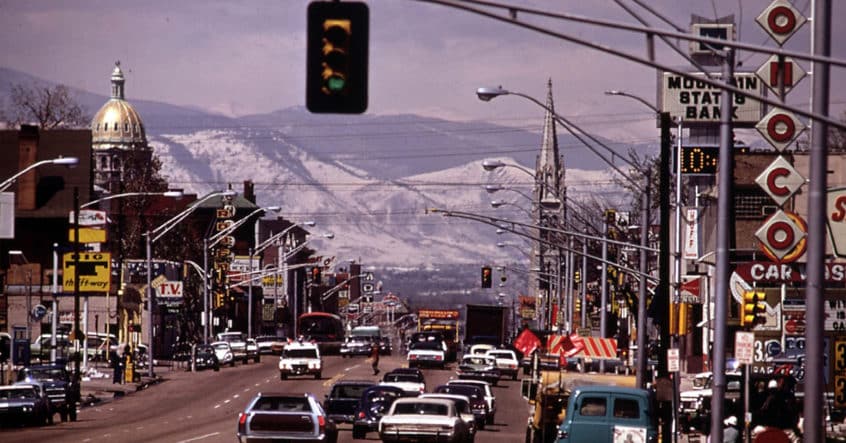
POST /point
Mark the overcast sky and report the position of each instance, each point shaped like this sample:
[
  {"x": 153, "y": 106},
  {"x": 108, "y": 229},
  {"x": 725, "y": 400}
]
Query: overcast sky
[{"x": 243, "y": 57}]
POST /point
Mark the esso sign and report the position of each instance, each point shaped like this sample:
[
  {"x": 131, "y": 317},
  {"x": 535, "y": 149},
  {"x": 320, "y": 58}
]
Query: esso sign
[
  {"x": 781, "y": 20},
  {"x": 780, "y": 128}
]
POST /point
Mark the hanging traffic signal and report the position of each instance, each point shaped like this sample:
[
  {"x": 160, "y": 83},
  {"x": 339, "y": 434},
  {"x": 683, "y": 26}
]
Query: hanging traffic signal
[
  {"x": 486, "y": 277},
  {"x": 336, "y": 74},
  {"x": 753, "y": 309}
]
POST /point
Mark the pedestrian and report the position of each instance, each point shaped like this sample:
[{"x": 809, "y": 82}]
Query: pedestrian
[
  {"x": 730, "y": 433},
  {"x": 117, "y": 367},
  {"x": 374, "y": 357}
]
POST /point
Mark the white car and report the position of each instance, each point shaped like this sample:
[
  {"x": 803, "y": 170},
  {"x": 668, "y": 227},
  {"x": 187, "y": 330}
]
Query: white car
[
  {"x": 410, "y": 383},
  {"x": 418, "y": 419},
  {"x": 481, "y": 348},
  {"x": 300, "y": 358},
  {"x": 490, "y": 399},
  {"x": 462, "y": 403},
  {"x": 427, "y": 353},
  {"x": 223, "y": 352},
  {"x": 506, "y": 362},
  {"x": 238, "y": 343}
]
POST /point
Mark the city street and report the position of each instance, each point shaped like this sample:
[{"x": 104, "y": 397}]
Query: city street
[{"x": 204, "y": 406}]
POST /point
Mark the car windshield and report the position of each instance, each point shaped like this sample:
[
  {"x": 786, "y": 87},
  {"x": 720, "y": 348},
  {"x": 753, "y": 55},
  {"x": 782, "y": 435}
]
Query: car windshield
[
  {"x": 205, "y": 350},
  {"x": 507, "y": 355},
  {"x": 16, "y": 394},
  {"x": 422, "y": 409},
  {"x": 427, "y": 345},
  {"x": 221, "y": 347},
  {"x": 402, "y": 378},
  {"x": 299, "y": 353},
  {"x": 348, "y": 391},
  {"x": 282, "y": 404},
  {"x": 471, "y": 392},
  {"x": 476, "y": 361},
  {"x": 232, "y": 338},
  {"x": 47, "y": 374}
]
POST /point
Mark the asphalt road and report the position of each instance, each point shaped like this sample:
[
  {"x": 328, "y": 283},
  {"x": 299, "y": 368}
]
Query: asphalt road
[{"x": 204, "y": 406}]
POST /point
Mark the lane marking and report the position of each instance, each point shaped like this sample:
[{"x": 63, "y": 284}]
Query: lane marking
[
  {"x": 227, "y": 400},
  {"x": 236, "y": 395},
  {"x": 201, "y": 437},
  {"x": 216, "y": 406}
]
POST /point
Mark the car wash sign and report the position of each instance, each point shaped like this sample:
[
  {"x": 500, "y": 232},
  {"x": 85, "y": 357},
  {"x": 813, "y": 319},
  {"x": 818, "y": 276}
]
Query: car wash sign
[{"x": 695, "y": 101}]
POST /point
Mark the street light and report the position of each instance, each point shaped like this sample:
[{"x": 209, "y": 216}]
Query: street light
[
  {"x": 626, "y": 94},
  {"x": 67, "y": 161},
  {"x": 210, "y": 242},
  {"x": 159, "y": 232},
  {"x": 170, "y": 194}
]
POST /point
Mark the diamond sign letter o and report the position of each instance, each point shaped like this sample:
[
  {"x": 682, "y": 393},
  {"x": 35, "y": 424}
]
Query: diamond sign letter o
[
  {"x": 781, "y": 20},
  {"x": 781, "y": 133},
  {"x": 772, "y": 235}
]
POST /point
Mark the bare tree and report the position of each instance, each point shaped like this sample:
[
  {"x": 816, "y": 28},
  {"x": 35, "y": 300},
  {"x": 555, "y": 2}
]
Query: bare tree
[{"x": 49, "y": 108}]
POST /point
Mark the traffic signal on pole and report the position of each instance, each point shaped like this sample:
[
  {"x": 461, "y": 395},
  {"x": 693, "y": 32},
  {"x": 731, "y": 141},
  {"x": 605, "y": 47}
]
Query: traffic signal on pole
[
  {"x": 753, "y": 309},
  {"x": 486, "y": 277},
  {"x": 336, "y": 74}
]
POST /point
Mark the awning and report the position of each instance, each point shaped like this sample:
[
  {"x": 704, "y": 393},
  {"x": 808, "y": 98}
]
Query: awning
[{"x": 585, "y": 347}]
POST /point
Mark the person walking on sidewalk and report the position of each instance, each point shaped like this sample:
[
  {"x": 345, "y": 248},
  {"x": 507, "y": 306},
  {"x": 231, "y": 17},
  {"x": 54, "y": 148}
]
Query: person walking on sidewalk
[
  {"x": 117, "y": 367},
  {"x": 374, "y": 357}
]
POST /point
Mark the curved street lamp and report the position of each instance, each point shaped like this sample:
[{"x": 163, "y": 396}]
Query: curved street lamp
[
  {"x": 159, "y": 232},
  {"x": 67, "y": 161},
  {"x": 170, "y": 194}
]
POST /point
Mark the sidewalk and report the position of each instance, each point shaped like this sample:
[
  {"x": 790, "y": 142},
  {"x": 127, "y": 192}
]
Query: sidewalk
[{"x": 97, "y": 386}]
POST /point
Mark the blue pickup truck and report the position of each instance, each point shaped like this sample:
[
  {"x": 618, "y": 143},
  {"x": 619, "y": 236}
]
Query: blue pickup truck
[{"x": 609, "y": 414}]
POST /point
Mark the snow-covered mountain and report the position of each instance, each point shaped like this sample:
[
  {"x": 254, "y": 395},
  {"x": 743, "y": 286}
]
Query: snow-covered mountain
[{"x": 370, "y": 180}]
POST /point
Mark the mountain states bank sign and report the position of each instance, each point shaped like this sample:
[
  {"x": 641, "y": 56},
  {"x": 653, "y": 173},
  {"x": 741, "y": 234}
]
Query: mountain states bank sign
[{"x": 695, "y": 101}]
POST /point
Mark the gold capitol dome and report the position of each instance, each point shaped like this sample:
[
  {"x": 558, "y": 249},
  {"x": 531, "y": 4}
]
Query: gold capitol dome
[{"x": 116, "y": 131}]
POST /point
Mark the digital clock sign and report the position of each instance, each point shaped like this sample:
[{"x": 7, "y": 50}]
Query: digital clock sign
[{"x": 702, "y": 160}]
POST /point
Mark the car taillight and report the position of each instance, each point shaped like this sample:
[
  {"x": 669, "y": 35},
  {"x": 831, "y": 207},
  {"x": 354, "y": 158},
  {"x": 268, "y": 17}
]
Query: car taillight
[
  {"x": 321, "y": 421},
  {"x": 412, "y": 356},
  {"x": 438, "y": 357},
  {"x": 242, "y": 423}
]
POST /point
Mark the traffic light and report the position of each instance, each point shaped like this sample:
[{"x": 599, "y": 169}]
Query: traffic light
[
  {"x": 336, "y": 74},
  {"x": 486, "y": 277},
  {"x": 753, "y": 309},
  {"x": 316, "y": 275}
]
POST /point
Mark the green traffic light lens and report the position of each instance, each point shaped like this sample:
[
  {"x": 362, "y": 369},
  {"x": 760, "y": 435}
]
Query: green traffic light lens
[{"x": 335, "y": 84}]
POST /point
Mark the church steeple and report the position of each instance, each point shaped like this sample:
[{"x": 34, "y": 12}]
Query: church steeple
[{"x": 550, "y": 169}]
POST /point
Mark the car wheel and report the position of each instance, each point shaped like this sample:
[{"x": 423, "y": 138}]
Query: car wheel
[
  {"x": 481, "y": 424},
  {"x": 72, "y": 413},
  {"x": 258, "y": 359},
  {"x": 490, "y": 419},
  {"x": 63, "y": 416},
  {"x": 232, "y": 363},
  {"x": 216, "y": 368},
  {"x": 317, "y": 376},
  {"x": 283, "y": 376},
  {"x": 358, "y": 433},
  {"x": 514, "y": 377}
]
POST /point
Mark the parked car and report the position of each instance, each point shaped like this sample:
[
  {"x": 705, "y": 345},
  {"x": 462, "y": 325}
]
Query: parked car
[
  {"x": 427, "y": 353},
  {"x": 490, "y": 399},
  {"x": 224, "y": 353},
  {"x": 24, "y": 405},
  {"x": 506, "y": 362},
  {"x": 462, "y": 403},
  {"x": 285, "y": 417},
  {"x": 300, "y": 358},
  {"x": 61, "y": 391},
  {"x": 342, "y": 401},
  {"x": 478, "y": 405},
  {"x": 374, "y": 403},
  {"x": 478, "y": 367},
  {"x": 412, "y": 384},
  {"x": 421, "y": 419},
  {"x": 356, "y": 346},
  {"x": 40, "y": 348},
  {"x": 205, "y": 357}
]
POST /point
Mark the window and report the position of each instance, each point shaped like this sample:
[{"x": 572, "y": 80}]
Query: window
[
  {"x": 126, "y": 127},
  {"x": 593, "y": 407},
  {"x": 626, "y": 408}
]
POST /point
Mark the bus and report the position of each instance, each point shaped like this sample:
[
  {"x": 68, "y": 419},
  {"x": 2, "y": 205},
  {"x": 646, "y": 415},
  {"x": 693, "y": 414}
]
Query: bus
[{"x": 326, "y": 329}]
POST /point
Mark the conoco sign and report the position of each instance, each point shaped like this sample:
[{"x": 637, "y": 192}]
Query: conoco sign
[
  {"x": 780, "y": 128},
  {"x": 780, "y": 180},
  {"x": 781, "y": 20},
  {"x": 783, "y": 237}
]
